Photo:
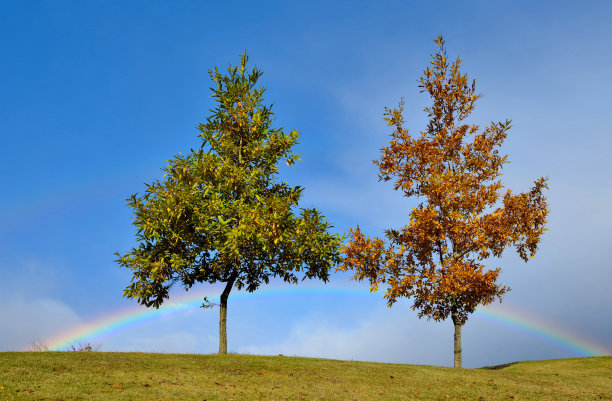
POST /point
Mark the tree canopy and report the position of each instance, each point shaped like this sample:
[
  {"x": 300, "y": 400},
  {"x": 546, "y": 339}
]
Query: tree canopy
[
  {"x": 220, "y": 214},
  {"x": 437, "y": 259}
]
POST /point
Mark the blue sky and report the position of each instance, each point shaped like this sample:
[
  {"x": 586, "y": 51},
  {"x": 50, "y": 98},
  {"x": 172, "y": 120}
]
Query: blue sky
[{"x": 96, "y": 96}]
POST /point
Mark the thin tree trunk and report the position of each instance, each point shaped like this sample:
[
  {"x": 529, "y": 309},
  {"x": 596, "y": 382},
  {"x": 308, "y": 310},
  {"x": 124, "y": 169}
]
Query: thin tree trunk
[
  {"x": 457, "y": 340},
  {"x": 223, "y": 315}
]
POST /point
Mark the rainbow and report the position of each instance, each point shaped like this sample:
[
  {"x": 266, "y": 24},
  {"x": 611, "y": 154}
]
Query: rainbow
[
  {"x": 123, "y": 320},
  {"x": 559, "y": 337},
  {"x": 132, "y": 317}
]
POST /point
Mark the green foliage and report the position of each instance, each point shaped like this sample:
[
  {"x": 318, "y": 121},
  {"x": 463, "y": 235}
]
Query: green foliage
[{"x": 220, "y": 214}]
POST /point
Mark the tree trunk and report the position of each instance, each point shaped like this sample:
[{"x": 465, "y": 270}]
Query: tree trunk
[
  {"x": 223, "y": 315},
  {"x": 457, "y": 340}
]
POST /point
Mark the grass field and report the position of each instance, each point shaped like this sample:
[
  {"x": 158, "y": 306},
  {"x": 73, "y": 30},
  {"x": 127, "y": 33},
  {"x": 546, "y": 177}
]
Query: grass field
[{"x": 138, "y": 376}]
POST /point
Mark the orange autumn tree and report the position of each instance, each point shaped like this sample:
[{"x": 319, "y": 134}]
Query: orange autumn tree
[{"x": 438, "y": 258}]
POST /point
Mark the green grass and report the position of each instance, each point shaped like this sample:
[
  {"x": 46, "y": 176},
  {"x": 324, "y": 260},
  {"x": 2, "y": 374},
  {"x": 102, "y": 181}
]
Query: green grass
[{"x": 138, "y": 376}]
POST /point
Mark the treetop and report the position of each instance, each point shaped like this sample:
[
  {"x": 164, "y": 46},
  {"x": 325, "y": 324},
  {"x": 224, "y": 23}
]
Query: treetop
[{"x": 221, "y": 214}]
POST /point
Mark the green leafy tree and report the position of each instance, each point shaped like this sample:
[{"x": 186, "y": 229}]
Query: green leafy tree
[{"x": 221, "y": 215}]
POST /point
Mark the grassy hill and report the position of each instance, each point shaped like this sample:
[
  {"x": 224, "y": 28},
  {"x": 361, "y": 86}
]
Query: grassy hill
[{"x": 139, "y": 376}]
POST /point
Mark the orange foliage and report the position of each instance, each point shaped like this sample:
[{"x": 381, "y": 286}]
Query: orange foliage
[{"x": 437, "y": 259}]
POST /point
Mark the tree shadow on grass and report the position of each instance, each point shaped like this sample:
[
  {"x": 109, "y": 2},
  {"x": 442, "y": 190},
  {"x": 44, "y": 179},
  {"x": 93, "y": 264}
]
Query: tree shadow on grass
[{"x": 498, "y": 367}]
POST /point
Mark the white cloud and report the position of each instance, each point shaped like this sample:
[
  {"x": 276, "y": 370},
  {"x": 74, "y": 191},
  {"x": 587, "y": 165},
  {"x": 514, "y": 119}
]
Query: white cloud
[
  {"x": 369, "y": 204},
  {"x": 33, "y": 320},
  {"x": 388, "y": 335},
  {"x": 29, "y": 308},
  {"x": 396, "y": 335},
  {"x": 148, "y": 340},
  {"x": 30, "y": 276}
]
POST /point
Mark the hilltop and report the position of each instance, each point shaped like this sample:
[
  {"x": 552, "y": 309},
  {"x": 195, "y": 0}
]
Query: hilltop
[{"x": 142, "y": 376}]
